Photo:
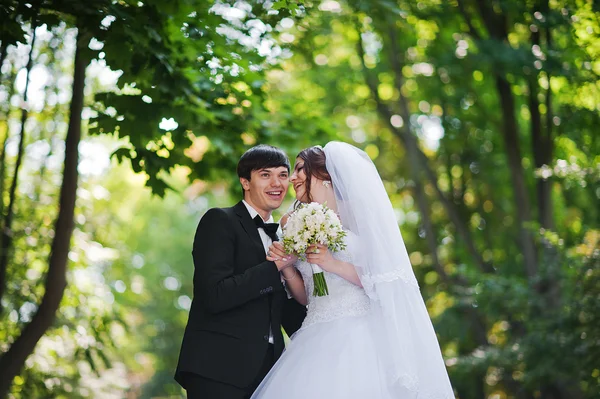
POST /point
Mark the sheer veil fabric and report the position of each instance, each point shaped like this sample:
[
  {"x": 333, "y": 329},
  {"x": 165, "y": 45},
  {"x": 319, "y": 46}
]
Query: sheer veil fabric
[{"x": 405, "y": 338}]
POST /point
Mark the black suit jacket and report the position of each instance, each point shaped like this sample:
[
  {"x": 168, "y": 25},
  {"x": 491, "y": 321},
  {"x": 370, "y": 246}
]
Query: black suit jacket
[{"x": 238, "y": 295}]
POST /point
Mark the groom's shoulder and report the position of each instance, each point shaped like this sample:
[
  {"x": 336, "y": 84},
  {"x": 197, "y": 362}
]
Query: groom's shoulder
[
  {"x": 219, "y": 213},
  {"x": 229, "y": 211}
]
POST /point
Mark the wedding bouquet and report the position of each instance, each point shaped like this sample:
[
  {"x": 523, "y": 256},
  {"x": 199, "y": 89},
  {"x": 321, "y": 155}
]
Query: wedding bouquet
[{"x": 311, "y": 224}]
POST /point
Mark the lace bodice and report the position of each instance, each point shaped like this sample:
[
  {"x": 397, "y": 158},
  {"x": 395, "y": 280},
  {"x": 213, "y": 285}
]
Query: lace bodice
[{"x": 345, "y": 299}]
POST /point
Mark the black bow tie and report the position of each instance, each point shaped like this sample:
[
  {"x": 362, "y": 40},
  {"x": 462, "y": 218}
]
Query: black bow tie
[{"x": 269, "y": 228}]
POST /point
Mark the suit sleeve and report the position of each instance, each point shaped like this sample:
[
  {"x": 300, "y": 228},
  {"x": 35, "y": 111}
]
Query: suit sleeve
[{"x": 214, "y": 258}]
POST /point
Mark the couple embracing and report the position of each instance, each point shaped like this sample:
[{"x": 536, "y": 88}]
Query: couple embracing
[{"x": 369, "y": 338}]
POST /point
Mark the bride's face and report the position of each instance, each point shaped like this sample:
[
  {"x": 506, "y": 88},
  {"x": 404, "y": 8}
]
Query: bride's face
[{"x": 298, "y": 180}]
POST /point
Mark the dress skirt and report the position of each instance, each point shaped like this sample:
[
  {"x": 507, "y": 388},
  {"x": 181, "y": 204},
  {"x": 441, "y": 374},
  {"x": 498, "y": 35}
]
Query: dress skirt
[{"x": 328, "y": 360}]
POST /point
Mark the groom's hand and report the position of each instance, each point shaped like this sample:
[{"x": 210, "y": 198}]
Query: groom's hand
[{"x": 277, "y": 254}]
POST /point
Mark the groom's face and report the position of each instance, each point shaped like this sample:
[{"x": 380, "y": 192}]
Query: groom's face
[{"x": 266, "y": 188}]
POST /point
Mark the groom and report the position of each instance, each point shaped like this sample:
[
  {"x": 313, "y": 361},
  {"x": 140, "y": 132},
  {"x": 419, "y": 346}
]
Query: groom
[{"x": 233, "y": 335}]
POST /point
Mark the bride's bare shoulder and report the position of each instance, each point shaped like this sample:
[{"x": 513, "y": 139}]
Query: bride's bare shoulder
[{"x": 284, "y": 219}]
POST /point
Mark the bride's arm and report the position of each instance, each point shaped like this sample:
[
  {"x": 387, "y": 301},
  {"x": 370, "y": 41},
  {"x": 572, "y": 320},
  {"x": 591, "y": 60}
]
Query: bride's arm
[
  {"x": 293, "y": 278},
  {"x": 295, "y": 284},
  {"x": 327, "y": 262}
]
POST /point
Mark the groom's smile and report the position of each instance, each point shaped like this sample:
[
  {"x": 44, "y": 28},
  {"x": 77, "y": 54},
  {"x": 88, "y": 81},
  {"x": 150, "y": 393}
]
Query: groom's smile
[{"x": 275, "y": 194}]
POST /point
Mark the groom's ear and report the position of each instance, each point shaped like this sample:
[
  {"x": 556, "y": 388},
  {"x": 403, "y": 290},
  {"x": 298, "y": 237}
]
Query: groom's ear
[{"x": 245, "y": 183}]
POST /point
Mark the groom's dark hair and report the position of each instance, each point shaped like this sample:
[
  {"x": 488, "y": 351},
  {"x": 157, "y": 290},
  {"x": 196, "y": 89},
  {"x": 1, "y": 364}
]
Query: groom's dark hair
[{"x": 259, "y": 157}]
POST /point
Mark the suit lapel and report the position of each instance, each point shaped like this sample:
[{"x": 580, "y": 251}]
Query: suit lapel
[{"x": 249, "y": 226}]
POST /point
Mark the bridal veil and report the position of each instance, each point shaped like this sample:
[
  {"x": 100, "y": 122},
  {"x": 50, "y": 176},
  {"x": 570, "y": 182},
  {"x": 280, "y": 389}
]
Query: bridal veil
[{"x": 405, "y": 337}]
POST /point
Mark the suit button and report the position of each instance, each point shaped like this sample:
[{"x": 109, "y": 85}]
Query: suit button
[{"x": 266, "y": 337}]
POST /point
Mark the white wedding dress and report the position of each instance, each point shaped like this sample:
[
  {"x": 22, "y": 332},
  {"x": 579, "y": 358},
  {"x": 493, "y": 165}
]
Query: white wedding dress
[{"x": 333, "y": 355}]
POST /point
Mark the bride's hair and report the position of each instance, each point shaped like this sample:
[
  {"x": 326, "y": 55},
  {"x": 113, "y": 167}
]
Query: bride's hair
[{"x": 314, "y": 165}]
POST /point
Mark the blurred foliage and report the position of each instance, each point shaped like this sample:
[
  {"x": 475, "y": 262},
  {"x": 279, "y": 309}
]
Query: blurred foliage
[{"x": 416, "y": 84}]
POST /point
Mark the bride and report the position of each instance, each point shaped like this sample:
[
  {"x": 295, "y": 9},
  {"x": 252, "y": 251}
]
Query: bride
[{"x": 371, "y": 337}]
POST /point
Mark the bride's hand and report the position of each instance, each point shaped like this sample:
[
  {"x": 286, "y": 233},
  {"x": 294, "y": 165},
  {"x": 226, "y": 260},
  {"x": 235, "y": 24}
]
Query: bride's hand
[
  {"x": 277, "y": 254},
  {"x": 320, "y": 255}
]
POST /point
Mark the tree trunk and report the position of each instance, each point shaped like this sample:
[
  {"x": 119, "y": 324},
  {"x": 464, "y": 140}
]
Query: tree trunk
[
  {"x": 6, "y": 235},
  {"x": 55, "y": 283},
  {"x": 513, "y": 153},
  {"x": 537, "y": 142},
  {"x": 496, "y": 25},
  {"x": 541, "y": 143}
]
